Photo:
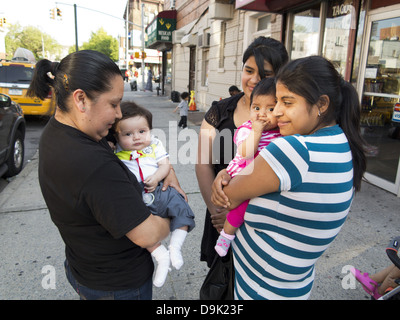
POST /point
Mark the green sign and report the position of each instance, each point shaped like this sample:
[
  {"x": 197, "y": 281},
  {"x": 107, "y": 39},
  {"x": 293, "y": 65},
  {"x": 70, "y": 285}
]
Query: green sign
[{"x": 160, "y": 30}]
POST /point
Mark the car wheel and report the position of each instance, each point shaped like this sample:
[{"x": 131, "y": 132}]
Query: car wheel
[{"x": 15, "y": 160}]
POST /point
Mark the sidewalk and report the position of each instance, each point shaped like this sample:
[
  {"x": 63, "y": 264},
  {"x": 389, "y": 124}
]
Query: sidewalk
[{"x": 31, "y": 245}]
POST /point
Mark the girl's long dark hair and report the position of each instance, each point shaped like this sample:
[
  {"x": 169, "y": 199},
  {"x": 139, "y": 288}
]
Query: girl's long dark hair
[
  {"x": 88, "y": 70},
  {"x": 269, "y": 49},
  {"x": 314, "y": 76}
]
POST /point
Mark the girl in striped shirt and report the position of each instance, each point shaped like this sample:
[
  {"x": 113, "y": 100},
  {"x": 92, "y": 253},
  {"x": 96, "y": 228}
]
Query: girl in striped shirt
[
  {"x": 301, "y": 186},
  {"x": 251, "y": 137}
]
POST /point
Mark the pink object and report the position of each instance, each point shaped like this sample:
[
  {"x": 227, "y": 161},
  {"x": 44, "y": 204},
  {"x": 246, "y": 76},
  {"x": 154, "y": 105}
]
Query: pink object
[
  {"x": 370, "y": 286},
  {"x": 236, "y": 216}
]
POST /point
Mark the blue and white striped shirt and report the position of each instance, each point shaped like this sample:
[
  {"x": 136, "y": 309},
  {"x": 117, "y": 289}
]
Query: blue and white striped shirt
[{"x": 284, "y": 233}]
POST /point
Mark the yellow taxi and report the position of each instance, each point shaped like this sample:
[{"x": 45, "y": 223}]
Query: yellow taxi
[{"x": 15, "y": 77}]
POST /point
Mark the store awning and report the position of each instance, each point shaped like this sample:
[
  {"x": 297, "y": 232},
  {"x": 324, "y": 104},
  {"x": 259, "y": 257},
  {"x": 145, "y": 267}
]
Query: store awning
[
  {"x": 276, "y": 6},
  {"x": 159, "y": 31}
]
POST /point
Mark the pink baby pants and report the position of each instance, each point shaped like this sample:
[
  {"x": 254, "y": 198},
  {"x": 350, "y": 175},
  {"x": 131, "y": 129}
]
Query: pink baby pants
[{"x": 236, "y": 216}]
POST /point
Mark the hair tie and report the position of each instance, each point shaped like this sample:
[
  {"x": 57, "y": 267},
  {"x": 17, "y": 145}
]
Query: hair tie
[
  {"x": 65, "y": 82},
  {"x": 50, "y": 75}
]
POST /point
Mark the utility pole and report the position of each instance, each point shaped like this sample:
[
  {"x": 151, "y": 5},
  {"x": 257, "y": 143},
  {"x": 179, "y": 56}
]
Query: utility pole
[
  {"x": 126, "y": 35},
  {"x": 143, "y": 46},
  {"x": 76, "y": 29}
]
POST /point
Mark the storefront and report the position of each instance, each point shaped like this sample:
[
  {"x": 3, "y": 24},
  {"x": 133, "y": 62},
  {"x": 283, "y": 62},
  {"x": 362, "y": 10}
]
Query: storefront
[
  {"x": 159, "y": 37},
  {"x": 362, "y": 39}
]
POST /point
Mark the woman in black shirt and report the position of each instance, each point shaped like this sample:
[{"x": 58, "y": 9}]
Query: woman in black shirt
[
  {"x": 93, "y": 199},
  {"x": 263, "y": 58}
]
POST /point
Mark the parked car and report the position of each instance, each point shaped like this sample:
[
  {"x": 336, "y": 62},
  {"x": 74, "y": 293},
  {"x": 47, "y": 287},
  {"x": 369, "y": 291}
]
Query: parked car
[
  {"x": 12, "y": 136},
  {"x": 15, "y": 77}
]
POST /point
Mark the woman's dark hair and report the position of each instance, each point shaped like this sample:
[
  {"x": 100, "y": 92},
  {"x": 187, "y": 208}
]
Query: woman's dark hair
[
  {"x": 268, "y": 49},
  {"x": 88, "y": 70},
  {"x": 265, "y": 87},
  {"x": 130, "y": 109},
  {"x": 314, "y": 76}
]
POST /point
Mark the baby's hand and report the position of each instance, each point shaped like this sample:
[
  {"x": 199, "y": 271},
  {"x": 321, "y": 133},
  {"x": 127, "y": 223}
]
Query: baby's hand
[
  {"x": 150, "y": 183},
  {"x": 259, "y": 123}
]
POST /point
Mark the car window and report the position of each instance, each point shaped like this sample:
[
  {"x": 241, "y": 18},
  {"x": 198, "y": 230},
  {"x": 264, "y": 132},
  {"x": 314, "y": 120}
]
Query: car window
[{"x": 15, "y": 74}]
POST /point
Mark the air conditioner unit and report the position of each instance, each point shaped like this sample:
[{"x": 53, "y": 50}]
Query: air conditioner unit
[
  {"x": 203, "y": 40},
  {"x": 177, "y": 36},
  {"x": 221, "y": 11},
  {"x": 172, "y": 5},
  {"x": 189, "y": 40}
]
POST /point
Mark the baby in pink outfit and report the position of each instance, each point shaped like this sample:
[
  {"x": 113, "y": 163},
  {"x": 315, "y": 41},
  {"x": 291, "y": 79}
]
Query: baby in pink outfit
[{"x": 251, "y": 137}]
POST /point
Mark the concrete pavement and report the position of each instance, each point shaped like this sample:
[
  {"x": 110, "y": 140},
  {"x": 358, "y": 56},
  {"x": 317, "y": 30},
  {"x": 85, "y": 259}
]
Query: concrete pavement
[{"x": 32, "y": 251}]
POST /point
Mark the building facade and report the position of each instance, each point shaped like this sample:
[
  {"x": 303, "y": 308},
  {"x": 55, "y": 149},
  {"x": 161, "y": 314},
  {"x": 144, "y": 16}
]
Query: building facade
[
  {"x": 132, "y": 46},
  {"x": 208, "y": 45},
  {"x": 361, "y": 37}
]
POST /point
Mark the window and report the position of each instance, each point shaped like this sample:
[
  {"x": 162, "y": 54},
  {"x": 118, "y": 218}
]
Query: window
[
  {"x": 306, "y": 26},
  {"x": 263, "y": 23},
  {"x": 222, "y": 45},
  {"x": 340, "y": 27},
  {"x": 327, "y": 28},
  {"x": 204, "y": 71}
]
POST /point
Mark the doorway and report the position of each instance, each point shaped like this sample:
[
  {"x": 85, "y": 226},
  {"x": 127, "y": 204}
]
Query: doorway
[{"x": 379, "y": 87}]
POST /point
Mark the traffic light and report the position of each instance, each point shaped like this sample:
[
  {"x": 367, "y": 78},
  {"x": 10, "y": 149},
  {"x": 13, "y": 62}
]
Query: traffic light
[
  {"x": 137, "y": 54},
  {"x": 58, "y": 13},
  {"x": 1, "y": 22},
  {"x": 143, "y": 55},
  {"x": 52, "y": 14},
  {"x": 4, "y": 20}
]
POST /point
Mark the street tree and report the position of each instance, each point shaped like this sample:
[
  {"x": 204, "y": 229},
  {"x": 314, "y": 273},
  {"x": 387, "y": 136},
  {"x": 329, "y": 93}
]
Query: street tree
[
  {"x": 103, "y": 42},
  {"x": 41, "y": 44}
]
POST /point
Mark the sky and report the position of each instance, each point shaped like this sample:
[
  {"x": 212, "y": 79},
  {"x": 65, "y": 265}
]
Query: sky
[{"x": 37, "y": 13}]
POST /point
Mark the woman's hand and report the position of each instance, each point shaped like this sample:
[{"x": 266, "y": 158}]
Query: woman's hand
[
  {"x": 218, "y": 197},
  {"x": 218, "y": 217},
  {"x": 171, "y": 180}
]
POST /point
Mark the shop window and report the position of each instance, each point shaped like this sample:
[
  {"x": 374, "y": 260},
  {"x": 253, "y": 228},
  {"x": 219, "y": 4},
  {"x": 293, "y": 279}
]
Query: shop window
[
  {"x": 339, "y": 33},
  {"x": 168, "y": 69},
  {"x": 327, "y": 28},
  {"x": 305, "y": 35}
]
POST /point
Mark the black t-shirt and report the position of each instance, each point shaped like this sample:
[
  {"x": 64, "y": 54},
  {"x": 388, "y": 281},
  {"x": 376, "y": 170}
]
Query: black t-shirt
[{"x": 94, "y": 200}]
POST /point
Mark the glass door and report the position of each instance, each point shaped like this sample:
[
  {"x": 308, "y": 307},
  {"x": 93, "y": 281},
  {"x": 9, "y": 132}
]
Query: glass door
[{"x": 380, "y": 100}]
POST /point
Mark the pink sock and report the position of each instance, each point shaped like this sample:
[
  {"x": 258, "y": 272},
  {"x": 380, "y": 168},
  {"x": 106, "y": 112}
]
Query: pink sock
[{"x": 223, "y": 243}]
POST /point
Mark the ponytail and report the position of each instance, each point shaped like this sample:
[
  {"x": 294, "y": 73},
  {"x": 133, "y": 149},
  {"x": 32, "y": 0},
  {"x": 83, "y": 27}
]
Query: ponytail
[
  {"x": 43, "y": 79},
  {"x": 348, "y": 117}
]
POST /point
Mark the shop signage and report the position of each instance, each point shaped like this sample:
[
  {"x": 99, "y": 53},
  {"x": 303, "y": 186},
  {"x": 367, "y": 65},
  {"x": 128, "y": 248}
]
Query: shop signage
[
  {"x": 341, "y": 9},
  {"x": 160, "y": 30},
  {"x": 396, "y": 113}
]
